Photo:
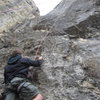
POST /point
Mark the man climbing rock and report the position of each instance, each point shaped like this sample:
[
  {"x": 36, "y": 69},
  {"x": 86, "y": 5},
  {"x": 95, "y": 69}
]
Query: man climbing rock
[{"x": 15, "y": 78}]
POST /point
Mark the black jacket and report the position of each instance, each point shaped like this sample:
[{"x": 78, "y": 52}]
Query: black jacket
[{"x": 17, "y": 66}]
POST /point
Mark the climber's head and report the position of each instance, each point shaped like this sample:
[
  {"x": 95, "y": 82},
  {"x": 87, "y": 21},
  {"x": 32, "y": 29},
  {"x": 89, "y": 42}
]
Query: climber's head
[{"x": 16, "y": 52}]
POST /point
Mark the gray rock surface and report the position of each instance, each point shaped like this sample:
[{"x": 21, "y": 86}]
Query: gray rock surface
[
  {"x": 13, "y": 12},
  {"x": 74, "y": 17},
  {"x": 71, "y": 60},
  {"x": 72, "y": 69}
]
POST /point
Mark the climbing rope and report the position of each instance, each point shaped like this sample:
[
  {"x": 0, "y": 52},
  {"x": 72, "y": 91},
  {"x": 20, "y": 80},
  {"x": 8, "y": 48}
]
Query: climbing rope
[{"x": 41, "y": 42}]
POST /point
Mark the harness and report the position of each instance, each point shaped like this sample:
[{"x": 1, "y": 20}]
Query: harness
[
  {"x": 20, "y": 86},
  {"x": 17, "y": 83}
]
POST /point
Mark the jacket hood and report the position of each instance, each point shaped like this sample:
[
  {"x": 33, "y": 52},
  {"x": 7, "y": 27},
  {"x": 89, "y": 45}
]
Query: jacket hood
[{"x": 13, "y": 59}]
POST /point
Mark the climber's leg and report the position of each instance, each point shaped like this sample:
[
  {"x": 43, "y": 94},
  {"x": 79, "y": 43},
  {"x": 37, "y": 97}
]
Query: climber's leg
[
  {"x": 29, "y": 92},
  {"x": 10, "y": 96},
  {"x": 38, "y": 97}
]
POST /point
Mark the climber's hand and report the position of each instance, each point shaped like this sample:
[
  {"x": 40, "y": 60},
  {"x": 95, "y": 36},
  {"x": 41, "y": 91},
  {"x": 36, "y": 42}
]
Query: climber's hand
[{"x": 39, "y": 58}]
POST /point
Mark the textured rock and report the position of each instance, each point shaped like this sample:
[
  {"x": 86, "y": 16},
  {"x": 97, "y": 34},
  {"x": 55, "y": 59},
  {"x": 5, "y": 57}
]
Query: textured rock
[
  {"x": 13, "y": 12},
  {"x": 66, "y": 76},
  {"x": 74, "y": 17},
  {"x": 72, "y": 64}
]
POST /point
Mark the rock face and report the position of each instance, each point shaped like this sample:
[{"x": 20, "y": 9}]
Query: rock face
[
  {"x": 74, "y": 17},
  {"x": 71, "y": 69},
  {"x": 68, "y": 38},
  {"x": 13, "y": 12}
]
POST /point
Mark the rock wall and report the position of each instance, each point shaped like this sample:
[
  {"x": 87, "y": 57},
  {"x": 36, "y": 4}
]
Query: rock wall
[
  {"x": 71, "y": 60},
  {"x": 71, "y": 69},
  {"x": 13, "y": 12},
  {"x": 79, "y": 16},
  {"x": 71, "y": 51}
]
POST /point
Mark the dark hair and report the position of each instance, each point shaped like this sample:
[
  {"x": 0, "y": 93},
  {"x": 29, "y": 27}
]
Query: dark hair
[{"x": 16, "y": 52}]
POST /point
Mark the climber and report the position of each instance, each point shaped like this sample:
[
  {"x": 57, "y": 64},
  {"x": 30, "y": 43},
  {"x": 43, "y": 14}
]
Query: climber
[{"x": 15, "y": 77}]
